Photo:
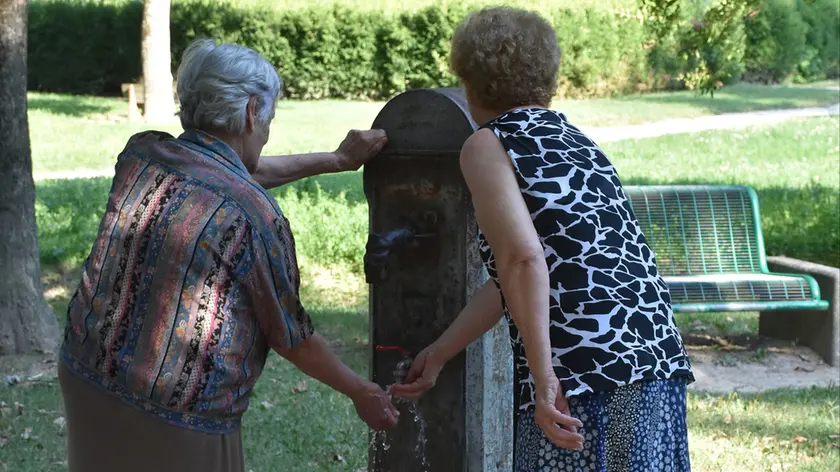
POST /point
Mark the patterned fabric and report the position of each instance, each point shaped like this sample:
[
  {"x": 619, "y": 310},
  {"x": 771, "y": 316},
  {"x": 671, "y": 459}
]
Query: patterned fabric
[
  {"x": 635, "y": 428},
  {"x": 611, "y": 317},
  {"x": 192, "y": 279}
]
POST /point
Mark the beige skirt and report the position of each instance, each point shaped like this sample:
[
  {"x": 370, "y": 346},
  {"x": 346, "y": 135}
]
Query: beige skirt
[{"x": 104, "y": 434}]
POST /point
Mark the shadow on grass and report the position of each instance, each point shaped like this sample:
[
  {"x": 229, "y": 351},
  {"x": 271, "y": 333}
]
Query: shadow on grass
[{"x": 66, "y": 105}]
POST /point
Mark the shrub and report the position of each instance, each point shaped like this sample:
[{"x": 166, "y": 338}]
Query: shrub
[
  {"x": 78, "y": 46},
  {"x": 776, "y": 41},
  {"x": 600, "y": 53},
  {"x": 320, "y": 52},
  {"x": 91, "y": 47},
  {"x": 823, "y": 39}
]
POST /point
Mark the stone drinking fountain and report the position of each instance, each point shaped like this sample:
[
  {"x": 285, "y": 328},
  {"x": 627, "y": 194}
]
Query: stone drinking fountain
[{"x": 422, "y": 264}]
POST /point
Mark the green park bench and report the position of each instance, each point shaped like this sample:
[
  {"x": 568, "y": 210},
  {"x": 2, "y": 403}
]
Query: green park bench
[{"x": 710, "y": 251}]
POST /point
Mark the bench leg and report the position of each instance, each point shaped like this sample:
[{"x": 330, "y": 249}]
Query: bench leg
[
  {"x": 815, "y": 329},
  {"x": 819, "y": 330}
]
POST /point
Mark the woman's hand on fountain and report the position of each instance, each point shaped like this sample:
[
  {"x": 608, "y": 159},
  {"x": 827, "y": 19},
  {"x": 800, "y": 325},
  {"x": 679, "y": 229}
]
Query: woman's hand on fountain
[
  {"x": 374, "y": 407},
  {"x": 421, "y": 377},
  {"x": 553, "y": 416}
]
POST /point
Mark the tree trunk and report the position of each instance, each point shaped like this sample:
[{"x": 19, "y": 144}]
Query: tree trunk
[
  {"x": 27, "y": 324},
  {"x": 157, "y": 66}
]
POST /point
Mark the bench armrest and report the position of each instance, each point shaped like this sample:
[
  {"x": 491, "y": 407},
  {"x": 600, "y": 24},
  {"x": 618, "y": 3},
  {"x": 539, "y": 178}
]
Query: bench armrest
[
  {"x": 828, "y": 278},
  {"x": 818, "y": 330}
]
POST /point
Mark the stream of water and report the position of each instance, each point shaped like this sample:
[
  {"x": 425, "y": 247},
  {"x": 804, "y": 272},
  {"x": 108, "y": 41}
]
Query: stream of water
[{"x": 379, "y": 440}]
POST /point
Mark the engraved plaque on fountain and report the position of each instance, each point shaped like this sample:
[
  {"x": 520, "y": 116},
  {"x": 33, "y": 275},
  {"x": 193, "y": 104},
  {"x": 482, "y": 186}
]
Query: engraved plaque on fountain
[{"x": 422, "y": 265}]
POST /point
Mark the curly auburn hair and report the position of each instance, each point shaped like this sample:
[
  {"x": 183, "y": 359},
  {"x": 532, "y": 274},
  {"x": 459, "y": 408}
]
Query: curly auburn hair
[{"x": 507, "y": 57}]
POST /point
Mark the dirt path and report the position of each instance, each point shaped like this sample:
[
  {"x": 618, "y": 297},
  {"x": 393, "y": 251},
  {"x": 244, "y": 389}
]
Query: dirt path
[
  {"x": 752, "y": 372},
  {"x": 707, "y": 123}
]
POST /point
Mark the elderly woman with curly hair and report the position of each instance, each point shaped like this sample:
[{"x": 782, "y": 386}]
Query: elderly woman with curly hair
[
  {"x": 193, "y": 279},
  {"x": 600, "y": 367}
]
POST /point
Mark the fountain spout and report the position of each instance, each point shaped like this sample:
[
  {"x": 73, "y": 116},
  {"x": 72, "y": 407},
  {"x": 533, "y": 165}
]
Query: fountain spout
[
  {"x": 380, "y": 246},
  {"x": 403, "y": 366}
]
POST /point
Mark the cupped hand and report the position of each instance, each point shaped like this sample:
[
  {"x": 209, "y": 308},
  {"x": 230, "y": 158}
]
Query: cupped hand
[
  {"x": 421, "y": 377},
  {"x": 374, "y": 407},
  {"x": 553, "y": 416},
  {"x": 359, "y": 147}
]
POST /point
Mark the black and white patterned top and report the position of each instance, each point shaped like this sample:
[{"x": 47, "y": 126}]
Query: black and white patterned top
[{"x": 611, "y": 318}]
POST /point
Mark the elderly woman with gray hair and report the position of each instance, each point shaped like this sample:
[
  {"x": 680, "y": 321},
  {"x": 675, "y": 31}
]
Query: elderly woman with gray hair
[{"x": 193, "y": 279}]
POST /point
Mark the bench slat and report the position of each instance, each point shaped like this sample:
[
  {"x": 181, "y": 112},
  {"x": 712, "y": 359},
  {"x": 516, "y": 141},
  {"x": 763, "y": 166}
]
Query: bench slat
[{"x": 699, "y": 229}]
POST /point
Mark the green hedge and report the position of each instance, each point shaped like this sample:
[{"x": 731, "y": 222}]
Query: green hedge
[
  {"x": 793, "y": 39},
  {"x": 322, "y": 52},
  {"x": 91, "y": 47},
  {"x": 83, "y": 47}
]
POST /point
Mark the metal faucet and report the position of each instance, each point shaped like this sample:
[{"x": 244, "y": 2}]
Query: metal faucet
[
  {"x": 403, "y": 366},
  {"x": 379, "y": 247}
]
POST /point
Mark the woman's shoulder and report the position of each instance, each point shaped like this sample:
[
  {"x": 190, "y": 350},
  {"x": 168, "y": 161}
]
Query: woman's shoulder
[
  {"x": 525, "y": 118},
  {"x": 147, "y": 139},
  {"x": 481, "y": 148}
]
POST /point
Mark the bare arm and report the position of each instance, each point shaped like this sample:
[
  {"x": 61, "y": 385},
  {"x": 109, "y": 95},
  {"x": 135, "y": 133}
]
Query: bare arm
[
  {"x": 356, "y": 149},
  {"x": 274, "y": 171},
  {"x": 520, "y": 261},
  {"x": 523, "y": 274},
  {"x": 314, "y": 358},
  {"x": 482, "y": 313}
]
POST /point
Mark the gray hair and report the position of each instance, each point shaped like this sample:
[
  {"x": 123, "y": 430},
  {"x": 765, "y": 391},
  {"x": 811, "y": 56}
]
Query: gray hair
[{"x": 215, "y": 83}]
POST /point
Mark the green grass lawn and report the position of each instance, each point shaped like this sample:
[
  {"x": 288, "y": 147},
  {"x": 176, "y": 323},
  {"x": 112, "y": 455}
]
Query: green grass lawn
[
  {"x": 787, "y": 430},
  {"x": 795, "y": 167},
  {"x": 86, "y": 133}
]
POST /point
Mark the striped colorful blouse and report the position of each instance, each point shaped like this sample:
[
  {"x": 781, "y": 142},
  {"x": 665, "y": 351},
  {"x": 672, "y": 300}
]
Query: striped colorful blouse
[{"x": 192, "y": 279}]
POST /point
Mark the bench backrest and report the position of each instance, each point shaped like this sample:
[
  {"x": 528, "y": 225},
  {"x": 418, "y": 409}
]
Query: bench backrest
[{"x": 697, "y": 230}]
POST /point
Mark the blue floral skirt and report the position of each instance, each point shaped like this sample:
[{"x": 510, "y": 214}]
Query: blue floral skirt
[{"x": 636, "y": 428}]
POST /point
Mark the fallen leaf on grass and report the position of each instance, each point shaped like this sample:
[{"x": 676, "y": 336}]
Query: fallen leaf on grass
[
  {"x": 339, "y": 458},
  {"x": 301, "y": 387},
  {"x": 27, "y": 433},
  {"x": 3, "y": 442},
  {"x": 267, "y": 405},
  {"x": 835, "y": 445},
  {"x": 834, "y": 436},
  {"x": 800, "y": 439},
  {"x": 728, "y": 419},
  {"x": 800, "y": 368}
]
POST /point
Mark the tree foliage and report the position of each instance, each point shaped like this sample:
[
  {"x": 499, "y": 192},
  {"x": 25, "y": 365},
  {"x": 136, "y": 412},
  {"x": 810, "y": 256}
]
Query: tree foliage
[{"x": 712, "y": 45}]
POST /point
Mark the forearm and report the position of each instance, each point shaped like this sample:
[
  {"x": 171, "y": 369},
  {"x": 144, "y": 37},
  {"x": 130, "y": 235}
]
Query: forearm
[
  {"x": 526, "y": 288},
  {"x": 274, "y": 171},
  {"x": 314, "y": 358},
  {"x": 481, "y": 313}
]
